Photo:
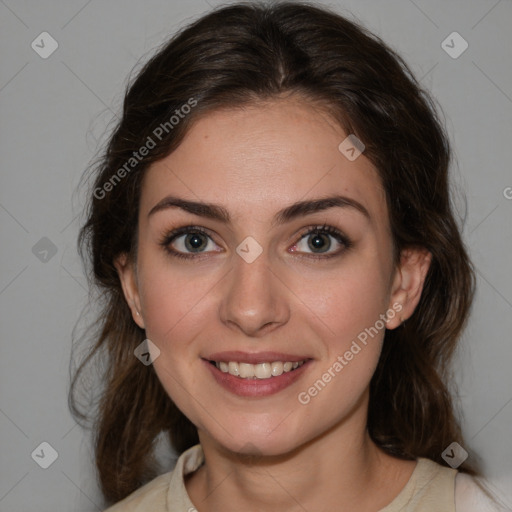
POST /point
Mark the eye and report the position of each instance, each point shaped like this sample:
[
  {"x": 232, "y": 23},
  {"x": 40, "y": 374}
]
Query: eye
[
  {"x": 191, "y": 241},
  {"x": 187, "y": 242},
  {"x": 319, "y": 241}
]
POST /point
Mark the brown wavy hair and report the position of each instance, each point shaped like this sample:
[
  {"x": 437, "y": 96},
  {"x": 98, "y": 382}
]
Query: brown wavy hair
[{"x": 233, "y": 56}]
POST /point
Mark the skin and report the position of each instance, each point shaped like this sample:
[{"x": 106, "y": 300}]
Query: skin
[{"x": 255, "y": 161}]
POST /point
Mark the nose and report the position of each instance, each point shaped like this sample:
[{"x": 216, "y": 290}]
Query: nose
[{"x": 255, "y": 300}]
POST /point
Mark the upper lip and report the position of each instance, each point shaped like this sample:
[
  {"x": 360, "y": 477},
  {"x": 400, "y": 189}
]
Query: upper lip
[{"x": 254, "y": 357}]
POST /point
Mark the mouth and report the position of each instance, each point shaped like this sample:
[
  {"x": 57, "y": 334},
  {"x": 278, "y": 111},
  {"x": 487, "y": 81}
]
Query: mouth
[
  {"x": 256, "y": 375},
  {"x": 265, "y": 370}
]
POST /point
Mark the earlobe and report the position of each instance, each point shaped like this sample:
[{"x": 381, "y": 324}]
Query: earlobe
[
  {"x": 127, "y": 276},
  {"x": 408, "y": 283}
]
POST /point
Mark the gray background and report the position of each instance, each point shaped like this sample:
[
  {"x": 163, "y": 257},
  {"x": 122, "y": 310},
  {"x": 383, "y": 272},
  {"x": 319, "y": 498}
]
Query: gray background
[{"x": 54, "y": 113}]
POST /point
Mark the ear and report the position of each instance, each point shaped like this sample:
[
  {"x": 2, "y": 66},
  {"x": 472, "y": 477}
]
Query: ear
[
  {"x": 408, "y": 283},
  {"x": 128, "y": 277}
]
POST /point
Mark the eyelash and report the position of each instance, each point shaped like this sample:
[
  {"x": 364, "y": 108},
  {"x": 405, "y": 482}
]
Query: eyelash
[{"x": 169, "y": 237}]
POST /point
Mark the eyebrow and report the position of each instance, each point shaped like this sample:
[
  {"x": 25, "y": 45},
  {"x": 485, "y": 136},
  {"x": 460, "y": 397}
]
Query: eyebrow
[{"x": 295, "y": 210}]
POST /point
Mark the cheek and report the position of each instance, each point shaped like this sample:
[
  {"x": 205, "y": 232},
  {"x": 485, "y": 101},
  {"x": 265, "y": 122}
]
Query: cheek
[
  {"x": 172, "y": 297},
  {"x": 174, "y": 318},
  {"x": 347, "y": 300},
  {"x": 349, "y": 306}
]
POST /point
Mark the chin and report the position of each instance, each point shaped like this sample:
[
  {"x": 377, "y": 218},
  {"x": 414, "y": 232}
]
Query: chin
[{"x": 259, "y": 440}]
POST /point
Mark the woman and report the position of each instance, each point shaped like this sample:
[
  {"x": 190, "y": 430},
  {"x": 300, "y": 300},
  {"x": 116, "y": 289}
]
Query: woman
[{"x": 284, "y": 280}]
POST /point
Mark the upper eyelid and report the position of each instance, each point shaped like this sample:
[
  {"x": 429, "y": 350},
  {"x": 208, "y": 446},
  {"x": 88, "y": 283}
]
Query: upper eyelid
[{"x": 304, "y": 231}]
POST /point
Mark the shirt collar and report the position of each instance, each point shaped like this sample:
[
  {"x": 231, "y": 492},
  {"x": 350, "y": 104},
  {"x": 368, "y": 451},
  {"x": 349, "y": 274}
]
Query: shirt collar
[{"x": 189, "y": 461}]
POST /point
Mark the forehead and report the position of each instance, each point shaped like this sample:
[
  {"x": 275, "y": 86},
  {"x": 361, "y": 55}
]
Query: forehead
[{"x": 256, "y": 159}]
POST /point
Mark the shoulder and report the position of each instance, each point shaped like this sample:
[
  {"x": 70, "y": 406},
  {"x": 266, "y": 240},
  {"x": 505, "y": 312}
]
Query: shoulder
[
  {"x": 470, "y": 497},
  {"x": 433, "y": 486},
  {"x": 430, "y": 487},
  {"x": 167, "y": 492},
  {"x": 151, "y": 496}
]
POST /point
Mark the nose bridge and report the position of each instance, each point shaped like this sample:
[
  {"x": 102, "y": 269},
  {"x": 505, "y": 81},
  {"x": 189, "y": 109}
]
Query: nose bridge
[{"x": 254, "y": 298}]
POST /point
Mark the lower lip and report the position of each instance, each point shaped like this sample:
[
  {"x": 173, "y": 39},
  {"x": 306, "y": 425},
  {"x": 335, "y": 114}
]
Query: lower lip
[{"x": 255, "y": 387}]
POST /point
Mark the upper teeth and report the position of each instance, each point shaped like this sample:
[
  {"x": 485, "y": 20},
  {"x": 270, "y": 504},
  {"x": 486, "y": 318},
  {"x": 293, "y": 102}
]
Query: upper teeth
[{"x": 258, "y": 371}]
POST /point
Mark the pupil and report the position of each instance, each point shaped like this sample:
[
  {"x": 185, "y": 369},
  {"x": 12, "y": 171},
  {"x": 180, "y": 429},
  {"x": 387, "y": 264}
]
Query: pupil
[
  {"x": 317, "y": 242},
  {"x": 193, "y": 241}
]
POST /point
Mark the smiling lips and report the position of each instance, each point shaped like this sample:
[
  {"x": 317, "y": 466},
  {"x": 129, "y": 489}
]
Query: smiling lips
[
  {"x": 261, "y": 365},
  {"x": 257, "y": 371}
]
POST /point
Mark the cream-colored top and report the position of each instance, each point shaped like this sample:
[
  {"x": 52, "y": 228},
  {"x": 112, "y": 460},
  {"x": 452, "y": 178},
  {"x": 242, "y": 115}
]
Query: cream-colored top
[{"x": 431, "y": 488}]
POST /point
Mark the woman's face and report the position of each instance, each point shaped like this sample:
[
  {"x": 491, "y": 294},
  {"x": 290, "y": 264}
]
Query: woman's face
[{"x": 254, "y": 287}]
